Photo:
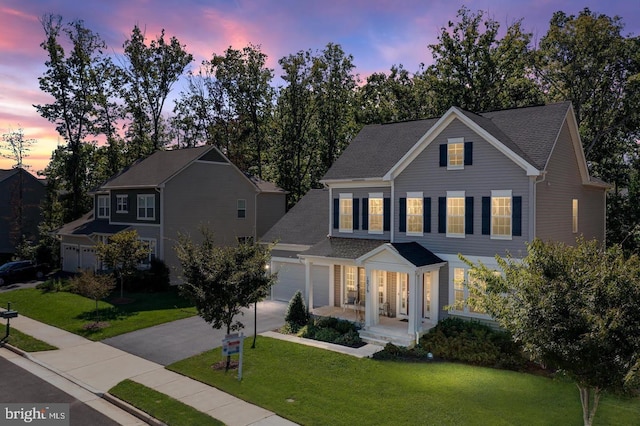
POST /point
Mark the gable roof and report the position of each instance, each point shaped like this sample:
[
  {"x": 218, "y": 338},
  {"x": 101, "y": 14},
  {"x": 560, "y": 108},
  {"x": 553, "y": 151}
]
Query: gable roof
[
  {"x": 528, "y": 133},
  {"x": 7, "y": 173},
  {"x": 306, "y": 222},
  {"x": 412, "y": 252},
  {"x": 156, "y": 168},
  {"x": 88, "y": 225},
  {"x": 343, "y": 248}
]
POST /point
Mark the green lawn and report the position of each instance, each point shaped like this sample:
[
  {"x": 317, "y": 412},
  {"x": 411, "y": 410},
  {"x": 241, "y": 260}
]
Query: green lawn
[
  {"x": 312, "y": 386},
  {"x": 160, "y": 406},
  {"x": 26, "y": 342},
  {"x": 72, "y": 312}
]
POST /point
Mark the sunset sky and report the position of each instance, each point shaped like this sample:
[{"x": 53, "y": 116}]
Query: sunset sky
[{"x": 378, "y": 33}]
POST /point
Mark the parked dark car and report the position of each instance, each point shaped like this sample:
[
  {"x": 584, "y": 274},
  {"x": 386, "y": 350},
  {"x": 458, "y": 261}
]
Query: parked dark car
[{"x": 20, "y": 270}]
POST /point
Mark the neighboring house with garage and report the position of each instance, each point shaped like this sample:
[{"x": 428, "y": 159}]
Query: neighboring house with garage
[
  {"x": 20, "y": 196},
  {"x": 405, "y": 199},
  {"x": 172, "y": 193}
]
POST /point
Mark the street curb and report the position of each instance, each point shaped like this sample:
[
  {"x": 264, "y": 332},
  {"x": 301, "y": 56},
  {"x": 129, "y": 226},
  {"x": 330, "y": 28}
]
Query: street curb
[{"x": 123, "y": 405}]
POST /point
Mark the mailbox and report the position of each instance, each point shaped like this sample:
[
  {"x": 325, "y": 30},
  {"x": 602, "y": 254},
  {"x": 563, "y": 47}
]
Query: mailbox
[{"x": 8, "y": 314}]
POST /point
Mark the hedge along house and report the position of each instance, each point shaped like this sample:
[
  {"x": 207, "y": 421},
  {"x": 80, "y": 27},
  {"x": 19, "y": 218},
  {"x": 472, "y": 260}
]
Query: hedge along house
[
  {"x": 172, "y": 193},
  {"x": 405, "y": 199}
]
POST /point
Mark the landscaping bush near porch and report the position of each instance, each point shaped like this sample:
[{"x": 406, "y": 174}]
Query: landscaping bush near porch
[
  {"x": 471, "y": 342},
  {"x": 332, "y": 330}
]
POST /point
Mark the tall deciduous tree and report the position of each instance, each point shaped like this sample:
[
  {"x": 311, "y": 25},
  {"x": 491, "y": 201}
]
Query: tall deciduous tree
[
  {"x": 70, "y": 80},
  {"x": 574, "y": 308},
  {"x": 476, "y": 70},
  {"x": 586, "y": 59},
  {"x": 223, "y": 280},
  {"x": 150, "y": 70},
  {"x": 247, "y": 90}
]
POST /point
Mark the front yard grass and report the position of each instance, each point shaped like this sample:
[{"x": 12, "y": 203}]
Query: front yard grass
[
  {"x": 26, "y": 342},
  {"x": 160, "y": 406},
  {"x": 312, "y": 386},
  {"x": 72, "y": 312}
]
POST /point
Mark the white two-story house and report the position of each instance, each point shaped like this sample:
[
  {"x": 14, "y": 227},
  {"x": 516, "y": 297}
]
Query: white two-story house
[{"x": 405, "y": 199}]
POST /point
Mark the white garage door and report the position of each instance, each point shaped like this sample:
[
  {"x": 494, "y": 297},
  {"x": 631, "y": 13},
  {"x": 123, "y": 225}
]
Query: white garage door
[
  {"x": 88, "y": 258},
  {"x": 291, "y": 279},
  {"x": 70, "y": 258}
]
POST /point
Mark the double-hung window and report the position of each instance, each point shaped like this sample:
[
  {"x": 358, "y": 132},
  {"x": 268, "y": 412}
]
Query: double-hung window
[
  {"x": 151, "y": 246},
  {"x": 346, "y": 212},
  {"x": 104, "y": 206},
  {"x": 414, "y": 213},
  {"x": 122, "y": 203},
  {"x": 455, "y": 213},
  {"x": 146, "y": 206},
  {"x": 574, "y": 215},
  {"x": 376, "y": 213},
  {"x": 501, "y": 214},
  {"x": 241, "y": 207},
  {"x": 455, "y": 153},
  {"x": 461, "y": 292}
]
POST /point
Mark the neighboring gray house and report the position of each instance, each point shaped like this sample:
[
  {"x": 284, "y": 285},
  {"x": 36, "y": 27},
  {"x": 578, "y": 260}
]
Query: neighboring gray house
[
  {"x": 171, "y": 193},
  {"x": 20, "y": 196},
  {"x": 404, "y": 199}
]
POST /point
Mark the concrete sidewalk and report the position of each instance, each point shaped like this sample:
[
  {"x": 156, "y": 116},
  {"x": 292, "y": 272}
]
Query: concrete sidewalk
[{"x": 96, "y": 368}]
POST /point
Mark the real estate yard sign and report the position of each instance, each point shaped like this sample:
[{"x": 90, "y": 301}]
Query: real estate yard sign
[{"x": 233, "y": 344}]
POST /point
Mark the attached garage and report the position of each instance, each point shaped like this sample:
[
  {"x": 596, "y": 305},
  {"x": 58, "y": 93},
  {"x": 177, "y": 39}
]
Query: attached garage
[
  {"x": 88, "y": 258},
  {"x": 70, "y": 257},
  {"x": 291, "y": 278}
]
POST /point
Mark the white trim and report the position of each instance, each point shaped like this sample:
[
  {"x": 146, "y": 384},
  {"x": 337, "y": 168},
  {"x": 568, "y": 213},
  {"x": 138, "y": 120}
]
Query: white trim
[
  {"x": 415, "y": 195},
  {"x": 145, "y": 196},
  {"x": 375, "y": 196},
  {"x": 356, "y": 183},
  {"x": 438, "y": 127},
  {"x": 505, "y": 193},
  {"x": 451, "y": 141},
  {"x": 106, "y": 207},
  {"x": 122, "y": 197},
  {"x": 133, "y": 224},
  {"x": 345, "y": 196},
  {"x": 456, "y": 194}
]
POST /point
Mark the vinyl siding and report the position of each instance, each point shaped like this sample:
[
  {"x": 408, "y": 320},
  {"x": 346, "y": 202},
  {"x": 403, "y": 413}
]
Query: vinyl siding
[
  {"x": 33, "y": 192},
  {"x": 491, "y": 170},
  {"x": 562, "y": 184},
  {"x": 271, "y": 207},
  {"x": 360, "y": 193},
  {"x": 131, "y": 216}
]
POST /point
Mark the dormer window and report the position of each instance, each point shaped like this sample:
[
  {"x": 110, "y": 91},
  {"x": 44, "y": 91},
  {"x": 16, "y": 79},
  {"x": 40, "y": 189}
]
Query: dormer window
[{"x": 103, "y": 206}]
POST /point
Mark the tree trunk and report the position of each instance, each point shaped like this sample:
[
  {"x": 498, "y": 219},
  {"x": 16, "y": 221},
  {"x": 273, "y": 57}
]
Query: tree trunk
[
  {"x": 589, "y": 402},
  {"x": 255, "y": 325},
  {"x": 226, "y": 368}
]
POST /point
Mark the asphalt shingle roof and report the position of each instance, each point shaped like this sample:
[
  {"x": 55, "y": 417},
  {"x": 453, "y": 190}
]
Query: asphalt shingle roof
[
  {"x": 306, "y": 223},
  {"x": 343, "y": 248},
  {"x": 87, "y": 225},
  {"x": 416, "y": 254},
  {"x": 529, "y": 132}
]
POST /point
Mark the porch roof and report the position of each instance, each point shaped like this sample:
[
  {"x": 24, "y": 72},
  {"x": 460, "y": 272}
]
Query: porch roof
[
  {"x": 343, "y": 248},
  {"x": 416, "y": 254},
  {"x": 87, "y": 225}
]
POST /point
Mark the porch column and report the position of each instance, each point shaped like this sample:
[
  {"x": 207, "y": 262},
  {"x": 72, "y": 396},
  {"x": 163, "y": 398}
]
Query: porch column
[
  {"x": 371, "y": 301},
  {"x": 414, "y": 307},
  {"x": 308, "y": 288}
]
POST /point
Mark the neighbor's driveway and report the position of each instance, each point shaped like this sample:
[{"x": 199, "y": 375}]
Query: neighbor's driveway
[{"x": 177, "y": 340}]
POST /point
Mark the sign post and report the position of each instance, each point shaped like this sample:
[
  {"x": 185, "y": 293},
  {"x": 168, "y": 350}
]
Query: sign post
[{"x": 233, "y": 344}]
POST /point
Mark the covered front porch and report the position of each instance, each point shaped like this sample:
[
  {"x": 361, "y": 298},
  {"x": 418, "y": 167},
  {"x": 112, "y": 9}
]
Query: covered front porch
[{"x": 391, "y": 291}]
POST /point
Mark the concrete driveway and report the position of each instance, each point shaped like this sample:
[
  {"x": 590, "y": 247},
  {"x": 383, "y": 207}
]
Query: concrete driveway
[{"x": 177, "y": 340}]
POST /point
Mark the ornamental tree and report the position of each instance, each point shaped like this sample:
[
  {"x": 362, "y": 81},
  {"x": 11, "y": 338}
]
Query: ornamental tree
[
  {"x": 123, "y": 253},
  {"x": 574, "y": 309},
  {"x": 221, "y": 280}
]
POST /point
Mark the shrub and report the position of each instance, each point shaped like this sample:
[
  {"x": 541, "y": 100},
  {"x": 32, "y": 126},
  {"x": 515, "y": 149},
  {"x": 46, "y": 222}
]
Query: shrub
[
  {"x": 351, "y": 338},
  {"x": 326, "y": 335},
  {"x": 154, "y": 279},
  {"x": 297, "y": 315},
  {"x": 54, "y": 285}
]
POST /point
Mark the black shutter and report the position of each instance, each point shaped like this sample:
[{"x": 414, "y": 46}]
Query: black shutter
[
  {"x": 386, "y": 209},
  {"x": 516, "y": 217},
  {"x": 356, "y": 213},
  {"x": 365, "y": 214},
  {"x": 426, "y": 214},
  {"x": 442, "y": 215},
  {"x": 468, "y": 215},
  {"x": 336, "y": 213},
  {"x": 468, "y": 153},
  {"x": 402, "y": 215},
  {"x": 486, "y": 215},
  {"x": 443, "y": 155}
]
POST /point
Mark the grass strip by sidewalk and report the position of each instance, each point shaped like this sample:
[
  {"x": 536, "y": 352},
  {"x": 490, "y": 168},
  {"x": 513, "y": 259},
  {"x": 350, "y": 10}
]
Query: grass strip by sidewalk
[
  {"x": 313, "y": 386},
  {"x": 26, "y": 342},
  {"x": 160, "y": 406},
  {"x": 72, "y": 312}
]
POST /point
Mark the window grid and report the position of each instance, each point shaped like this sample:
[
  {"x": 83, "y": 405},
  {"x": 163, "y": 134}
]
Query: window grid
[
  {"x": 146, "y": 206},
  {"x": 122, "y": 204},
  {"x": 458, "y": 288},
  {"x": 346, "y": 214},
  {"x": 376, "y": 212},
  {"x": 350, "y": 278},
  {"x": 455, "y": 215},
  {"x": 103, "y": 206},
  {"x": 501, "y": 216},
  {"x": 455, "y": 155},
  {"x": 574, "y": 216},
  {"x": 414, "y": 215}
]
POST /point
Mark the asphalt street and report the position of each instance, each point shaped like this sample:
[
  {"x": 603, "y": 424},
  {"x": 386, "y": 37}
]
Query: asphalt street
[
  {"x": 20, "y": 386},
  {"x": 177, "y": 340}
]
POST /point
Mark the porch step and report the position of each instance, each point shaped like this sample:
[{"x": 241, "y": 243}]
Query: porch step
[{"x": 380, "y": 338}]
